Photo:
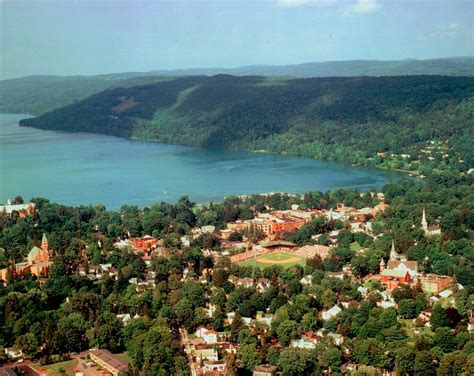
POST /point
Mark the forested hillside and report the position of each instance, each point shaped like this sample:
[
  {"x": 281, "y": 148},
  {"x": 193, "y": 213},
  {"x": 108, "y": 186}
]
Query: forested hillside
[
  {"x": 36, "y": 95},
  {"x": 416, "y": 123}
]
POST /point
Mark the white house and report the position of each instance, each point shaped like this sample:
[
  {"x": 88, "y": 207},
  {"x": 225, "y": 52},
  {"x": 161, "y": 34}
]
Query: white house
[
  {"x": 208, "y": 336},
  {"x": 304, "y": 343},
  {"x": 307, "y": 280},
  {"x": 337, "y": 338},
  {"x": 331, "y": 313}
]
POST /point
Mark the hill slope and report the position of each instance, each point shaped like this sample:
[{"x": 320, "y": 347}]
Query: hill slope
[
  {"x": 39, "y": 94},
  {"x": 345, "y": 119}
]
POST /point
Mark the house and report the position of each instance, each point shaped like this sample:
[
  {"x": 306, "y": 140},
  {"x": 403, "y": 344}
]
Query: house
[
  {"x": 213, "y": 367},
  {"x": 144, "y": 243},
  {"x": 470, "y": 325},
  {"x": 337, "y": 338},
  {"x": 262, "y": 284},
  {"x": 209, "y": 229},
  {"x": 208, "y": 336},
  {"x": 209, "y": 354},
  {"x": 124, "y": 317},
  {"x": 331, "y": 313},
  {"x": 307, "y": 281},
  {"x": 308, "y": 340},
  {"x": 387, "y": 304},
  {"x": 246, "y": 282},
  {"x": 108, "y": 361},
  {"x": 264, "y": 370},
  {"x": 13, "y": 352},
  {"x": 363, "y": 291},
  {"x": 265, "y": 318},
  {"x": 434, "y": 283}
]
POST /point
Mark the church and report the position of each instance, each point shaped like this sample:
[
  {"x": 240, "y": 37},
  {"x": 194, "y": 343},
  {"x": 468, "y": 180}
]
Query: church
[
  {"x": 37, "y": 262},
  {"x": 429, "y": 230}
]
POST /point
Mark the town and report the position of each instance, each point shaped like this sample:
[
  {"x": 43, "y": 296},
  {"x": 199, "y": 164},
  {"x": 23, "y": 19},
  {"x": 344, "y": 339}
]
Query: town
[{"x": 312, "y": 287}]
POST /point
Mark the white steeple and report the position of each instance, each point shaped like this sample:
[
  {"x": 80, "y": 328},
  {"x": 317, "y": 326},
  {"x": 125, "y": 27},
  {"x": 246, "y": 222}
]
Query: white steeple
[
  {"x": 393, "y": 254},
  {"x": 424, "y": 224}
]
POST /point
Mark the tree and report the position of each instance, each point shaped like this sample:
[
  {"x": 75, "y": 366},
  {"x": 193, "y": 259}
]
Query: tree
[
  {"x": 425, "y": 363},
  {"x": 439, "y": 318},
  {"x": 445, "y": 339},
  {"x": 405, "y": 359},
  {"x": 28, "y": 344},
  {"x": 407, "y": 309},
  {"x": 332, "y": 359},
  {"x": 452, "y": 364},
  {"x": 295, "y": 362},
  {"x": 286, "y": 331},
  {"x": 71, "y": 334},
  {"x": 249, "y": 356}
]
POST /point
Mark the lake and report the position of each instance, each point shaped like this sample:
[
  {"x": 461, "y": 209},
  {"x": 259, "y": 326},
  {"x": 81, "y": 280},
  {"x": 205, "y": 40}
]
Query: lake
[{"x": 83, "y": 169}]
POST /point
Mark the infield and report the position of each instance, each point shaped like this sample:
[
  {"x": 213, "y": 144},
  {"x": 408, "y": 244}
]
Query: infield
[{"x": 278, "y": 258}]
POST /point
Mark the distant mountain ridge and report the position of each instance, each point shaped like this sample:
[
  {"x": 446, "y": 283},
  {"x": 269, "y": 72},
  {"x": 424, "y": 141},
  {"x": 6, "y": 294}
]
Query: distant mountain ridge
[
  {"x": 453, "y": 66},
  {"x": 39, "y": 94}
]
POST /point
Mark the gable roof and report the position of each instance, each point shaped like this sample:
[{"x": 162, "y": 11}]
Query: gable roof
[
  {"x": 395, "y": 273},
  {"x": 394, "y": 264}
]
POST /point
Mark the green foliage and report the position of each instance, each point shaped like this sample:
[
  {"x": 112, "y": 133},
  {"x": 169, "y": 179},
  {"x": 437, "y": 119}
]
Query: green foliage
[{"x": 340, "y": 118}]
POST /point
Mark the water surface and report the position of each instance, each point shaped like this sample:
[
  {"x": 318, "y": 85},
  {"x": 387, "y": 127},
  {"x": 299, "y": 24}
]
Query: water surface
[{"x": 84, "y": 168}]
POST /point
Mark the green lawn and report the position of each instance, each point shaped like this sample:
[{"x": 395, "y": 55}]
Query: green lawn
[
  {"x": 355, "y": 247},
  {"x": 278, "y": 258},
  {"x": 55, "y": 369},
  {"x": 124, "y": 356}
]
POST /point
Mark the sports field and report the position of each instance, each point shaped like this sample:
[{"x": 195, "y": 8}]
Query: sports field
[{"x": 278, "y": 258}]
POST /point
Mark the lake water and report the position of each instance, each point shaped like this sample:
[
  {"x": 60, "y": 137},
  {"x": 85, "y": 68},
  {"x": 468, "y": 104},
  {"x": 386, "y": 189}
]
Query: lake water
[{"x": 82, "y": 168}]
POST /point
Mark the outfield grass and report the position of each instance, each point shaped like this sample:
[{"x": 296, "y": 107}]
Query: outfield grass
[
  {"x": 278, "y": 258},
  {"x": 55, "y": 369}
]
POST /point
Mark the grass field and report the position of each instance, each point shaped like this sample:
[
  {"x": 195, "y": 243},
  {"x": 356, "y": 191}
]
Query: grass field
[
  {"x": 56, "y": 368},
  {"x": 278, "y": 258}
]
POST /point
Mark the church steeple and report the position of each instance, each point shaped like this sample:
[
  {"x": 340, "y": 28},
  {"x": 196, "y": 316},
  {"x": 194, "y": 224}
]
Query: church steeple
[
  {"x": 393, "y": 254},
  {"x": 424, "y": 224},
  {"x": 44, "y": 243},
  {"x": 382, "y": 265}
]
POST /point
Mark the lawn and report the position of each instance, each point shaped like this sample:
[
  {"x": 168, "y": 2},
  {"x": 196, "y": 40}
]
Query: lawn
[
  {"x": 278, "y": 258},
  {"x": 56, "y": 368}
]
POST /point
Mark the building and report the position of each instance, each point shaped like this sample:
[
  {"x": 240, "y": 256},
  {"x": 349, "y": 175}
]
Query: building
[
  {"x": 409, "y": 266},
  {"x": 108, "y": 361},
  {"x": 429, "y": 230},
  {"x": 434, "y": 283},
  {"x": 308, "y": 340},
  {"x": 208, "y": 336},
  {"x": 23, "y": 210},
  {"x": 392, "y": 278},
  {"x": 37, "y": 262},
  {"x": 275, "y": 223},
  {"x": 331, "y": 313},
  {"x": 213, "y": 367},
  {"x": 265, "y": 370}
]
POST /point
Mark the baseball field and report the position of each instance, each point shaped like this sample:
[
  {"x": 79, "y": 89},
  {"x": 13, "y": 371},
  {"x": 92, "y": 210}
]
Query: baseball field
[{"x": 278, "y": 258}]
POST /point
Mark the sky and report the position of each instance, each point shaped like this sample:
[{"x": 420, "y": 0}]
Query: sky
[{"x": 72, "y": 37}]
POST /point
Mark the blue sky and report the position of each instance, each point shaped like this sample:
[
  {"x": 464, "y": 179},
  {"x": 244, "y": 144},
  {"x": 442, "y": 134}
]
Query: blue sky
[{"x": 92, "y": 37}]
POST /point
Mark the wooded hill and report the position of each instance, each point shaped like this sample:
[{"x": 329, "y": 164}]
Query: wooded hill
[
  {"x": 349, "y": 119},
  {"x": 36, "y": 95}
]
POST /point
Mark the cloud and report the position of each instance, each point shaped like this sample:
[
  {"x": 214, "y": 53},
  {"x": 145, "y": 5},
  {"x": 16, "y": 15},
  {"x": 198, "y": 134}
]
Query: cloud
[
  {"x": 362, "y": 7},
  {"x": 298, "y": 3},
  {"x": 446, "y": 31}
]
